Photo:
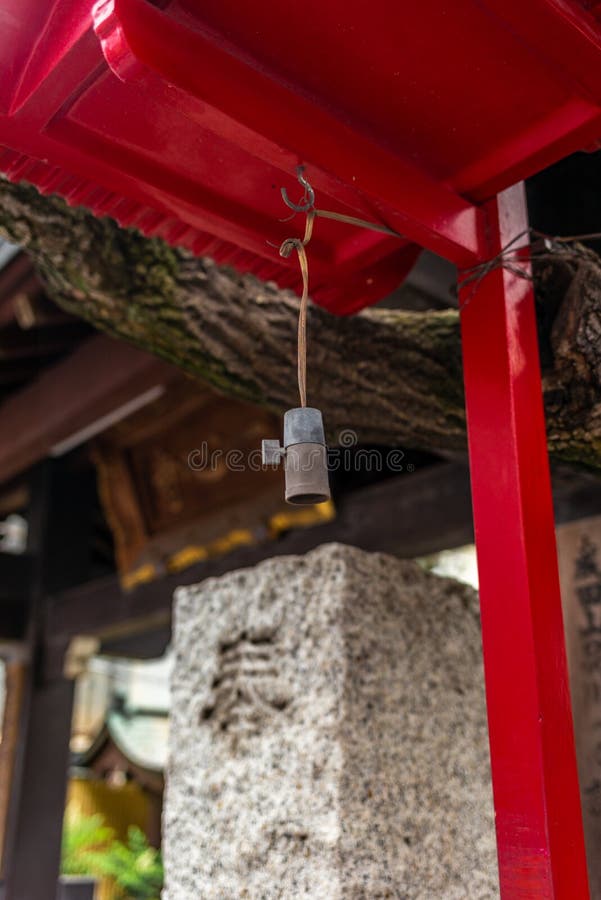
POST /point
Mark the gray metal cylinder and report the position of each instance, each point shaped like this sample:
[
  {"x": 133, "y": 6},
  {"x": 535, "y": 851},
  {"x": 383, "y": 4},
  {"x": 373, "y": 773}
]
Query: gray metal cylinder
[
  {"x": 305, "y": 456},
  {"x": 303, "y": 425},
  {"x": 306, "y": 468}
]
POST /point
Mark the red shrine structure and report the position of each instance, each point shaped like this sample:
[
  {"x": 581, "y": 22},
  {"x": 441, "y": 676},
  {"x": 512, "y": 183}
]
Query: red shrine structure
[{"x": 184, "y": 118}]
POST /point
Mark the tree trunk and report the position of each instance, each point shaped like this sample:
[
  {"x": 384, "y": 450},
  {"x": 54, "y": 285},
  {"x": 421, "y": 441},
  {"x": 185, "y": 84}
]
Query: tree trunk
[{"x": 392, "y": 376}]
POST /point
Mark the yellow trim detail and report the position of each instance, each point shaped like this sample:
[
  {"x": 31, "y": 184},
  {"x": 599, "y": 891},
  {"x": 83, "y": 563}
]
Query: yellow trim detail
[
  {"x": 309, "y": 515},
  {"x": 142, "y": 575},
  {"x": 238, "y": 537}
]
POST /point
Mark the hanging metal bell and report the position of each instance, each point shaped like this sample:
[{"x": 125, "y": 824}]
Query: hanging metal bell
[{"x": 304, "y": 454}]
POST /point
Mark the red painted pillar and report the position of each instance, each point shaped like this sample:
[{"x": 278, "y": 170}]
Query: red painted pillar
[{"x": 537, "y": 803}]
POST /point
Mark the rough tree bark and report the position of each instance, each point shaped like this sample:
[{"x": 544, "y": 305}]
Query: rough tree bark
[{"x": 392, "y": 376}]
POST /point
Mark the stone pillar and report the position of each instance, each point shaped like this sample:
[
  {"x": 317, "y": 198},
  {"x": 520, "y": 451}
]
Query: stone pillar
[
  {"x": 328, "y": 735},
  {"x": 579, "y": 553}
]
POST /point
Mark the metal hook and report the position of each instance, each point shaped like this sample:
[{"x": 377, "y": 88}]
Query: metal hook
[{"x": 309, "y": 195}]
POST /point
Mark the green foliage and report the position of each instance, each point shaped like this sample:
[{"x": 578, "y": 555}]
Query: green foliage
[
  {"x": 83, "y": 840},
  {"x": 90, "y": 848},
  {"x": 136, "y": 867}
]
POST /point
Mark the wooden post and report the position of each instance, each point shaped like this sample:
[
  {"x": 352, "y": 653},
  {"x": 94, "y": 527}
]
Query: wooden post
[
  {"x": 35, "y": 858},
  {"x": 59, "y": 542},
  {"x": 14, "y": 682},
  {"x": 535, "y": 782}
]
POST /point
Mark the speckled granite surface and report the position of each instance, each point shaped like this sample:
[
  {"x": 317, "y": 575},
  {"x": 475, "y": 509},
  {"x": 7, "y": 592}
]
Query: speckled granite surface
[{"x": 328, "y": 737}]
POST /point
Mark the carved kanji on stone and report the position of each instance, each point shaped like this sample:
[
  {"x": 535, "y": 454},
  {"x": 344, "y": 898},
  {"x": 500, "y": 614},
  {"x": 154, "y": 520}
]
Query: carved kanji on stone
[
  {"x": 586, "y": 562},
  {"x": 247, "y": 691}
]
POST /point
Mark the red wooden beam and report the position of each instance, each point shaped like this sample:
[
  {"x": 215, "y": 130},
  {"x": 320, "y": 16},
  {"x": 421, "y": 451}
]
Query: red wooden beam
[
  {"x": 537, "y": 802},
  {"x": 74, "y": 397},
  {"x": 272, "y": 121}
]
